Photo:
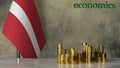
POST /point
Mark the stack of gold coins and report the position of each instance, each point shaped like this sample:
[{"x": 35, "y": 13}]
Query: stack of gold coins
[
  {"x": 79, "y": 58},
  {"x": 84, "y": 54},
  {"x": 62, "y": 59},
  {"x": 67, "y": 58},
  {"x": 103, "y": 57},
  {"x": 60, "y": 51},
  {"x": 73, "y": 57},
  {"x": 100, "y": 52},
  {"x": 95, "y": 55},
  {"x": 89, "y": 55},
  {"x": 99, "y": 59}
]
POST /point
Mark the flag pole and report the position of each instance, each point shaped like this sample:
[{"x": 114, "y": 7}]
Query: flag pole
[{"x": 18, "y": 56}]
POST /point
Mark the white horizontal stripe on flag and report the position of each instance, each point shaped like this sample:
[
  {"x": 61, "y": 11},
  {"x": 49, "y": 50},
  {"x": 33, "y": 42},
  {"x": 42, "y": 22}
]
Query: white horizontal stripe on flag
[{"x": 17, "y": 11}]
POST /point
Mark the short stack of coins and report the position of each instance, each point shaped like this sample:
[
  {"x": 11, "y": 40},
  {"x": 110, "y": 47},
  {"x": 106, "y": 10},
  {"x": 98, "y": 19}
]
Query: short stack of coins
[
  {"x": 79, "y": 58},
  {"x": 73, "y": 56},
  {"x": 101, "y": 54},
  {"x": 67, "y": 56},
  {"x": 103, "y": 57},
  {"x": 88, "y": 55},
  {"x": 95, "y": 55}
]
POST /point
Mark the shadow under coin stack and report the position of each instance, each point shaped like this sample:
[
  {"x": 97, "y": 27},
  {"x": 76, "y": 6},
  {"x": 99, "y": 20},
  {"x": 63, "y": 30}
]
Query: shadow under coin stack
[{"x": 88, "y": 55}]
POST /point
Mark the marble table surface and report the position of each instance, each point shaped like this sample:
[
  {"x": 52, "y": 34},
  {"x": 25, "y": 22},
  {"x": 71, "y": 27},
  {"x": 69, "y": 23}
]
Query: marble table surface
[{"x": 52, "y": 63}]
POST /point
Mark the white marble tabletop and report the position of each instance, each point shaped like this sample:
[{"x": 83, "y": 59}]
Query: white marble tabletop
[{"x": 52, "y": 63}]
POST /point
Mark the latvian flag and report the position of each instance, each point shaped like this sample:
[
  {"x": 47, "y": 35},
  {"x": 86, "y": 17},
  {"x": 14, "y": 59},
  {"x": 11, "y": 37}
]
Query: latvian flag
[{"x": 23, "y": 28}]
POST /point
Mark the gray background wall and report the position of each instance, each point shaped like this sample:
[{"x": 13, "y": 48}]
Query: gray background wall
[{"x": 64, "y": 24}]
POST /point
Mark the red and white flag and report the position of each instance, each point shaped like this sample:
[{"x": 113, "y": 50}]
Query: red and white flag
[{"x": 23, "y": 28}]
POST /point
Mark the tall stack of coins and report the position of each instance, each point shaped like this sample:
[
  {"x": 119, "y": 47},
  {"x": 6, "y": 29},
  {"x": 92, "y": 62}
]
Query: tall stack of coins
[
  {"x": 84, "y": 54},
  {"x": 60, "y": 53},
  {"x": 88, "y": 55}
]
